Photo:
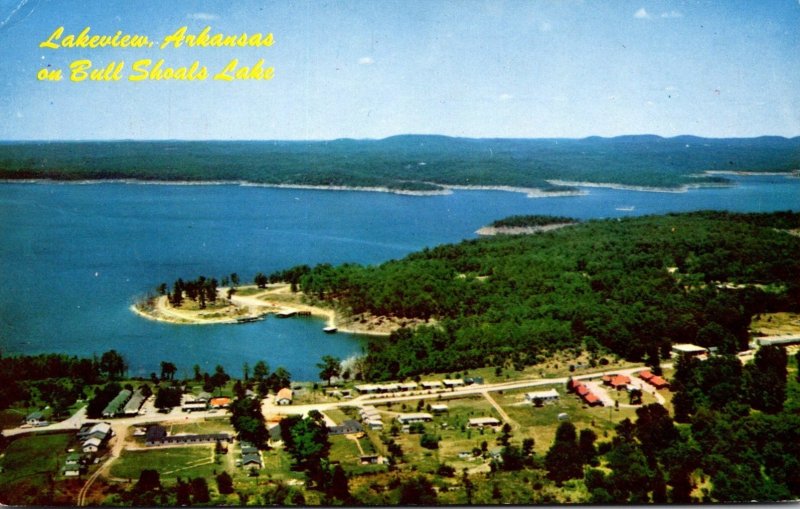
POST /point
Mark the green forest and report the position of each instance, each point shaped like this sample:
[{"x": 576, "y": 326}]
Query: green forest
[
  {"x": 629, "y": 286},
  {"x": 408, "y": 162}
]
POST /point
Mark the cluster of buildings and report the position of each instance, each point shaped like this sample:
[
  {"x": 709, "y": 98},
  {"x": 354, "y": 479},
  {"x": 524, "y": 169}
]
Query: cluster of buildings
[
  {"x": 92, "y": 436},
  {"x": 126, "y": 403},
  {"x": 204, "y": 401},
  {"x": 584, "y": 393},
  {"x": 251, "y": 456},
  {"x": 654, "y": 380},
  {"x": 448, "y": 383},
  {"x": 371, "y": 417}
]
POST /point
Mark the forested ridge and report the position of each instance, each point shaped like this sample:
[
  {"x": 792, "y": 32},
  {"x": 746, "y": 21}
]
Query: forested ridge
[
  {"x": 630, "y": 286},
  {"x": 408, "y": 162}
]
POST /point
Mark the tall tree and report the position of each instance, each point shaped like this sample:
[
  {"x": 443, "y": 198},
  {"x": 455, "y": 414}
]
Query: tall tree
[
  {"x": 168, "y": 370},
  {"x": 260, "y": 371},
  {"x": 767, "y": 379},
  {"x": 113, "y": 364},
  {"x": 329, "y": 367},
  {"x": 564, "y": 460}
]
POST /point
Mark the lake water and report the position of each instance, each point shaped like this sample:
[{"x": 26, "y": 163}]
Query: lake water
[{"x": 74, "y": 257}]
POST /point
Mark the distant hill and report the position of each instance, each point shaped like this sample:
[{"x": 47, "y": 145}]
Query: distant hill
[{"x": 410, "y": 162}]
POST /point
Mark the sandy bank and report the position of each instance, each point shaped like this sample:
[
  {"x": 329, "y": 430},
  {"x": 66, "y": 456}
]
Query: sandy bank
[
  {"x": 519, "y": 230},
  {"x": 256, "y": 304}
]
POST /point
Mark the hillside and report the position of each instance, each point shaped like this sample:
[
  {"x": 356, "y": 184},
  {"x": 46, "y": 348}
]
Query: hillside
[{"x": 409, "y": 162}]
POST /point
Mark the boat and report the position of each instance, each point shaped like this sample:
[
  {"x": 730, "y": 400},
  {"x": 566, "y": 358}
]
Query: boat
[
  {"x": 329, "y": 330},
  {"x": 286, "y": 313},
  {"x": 626, "y": 209}
]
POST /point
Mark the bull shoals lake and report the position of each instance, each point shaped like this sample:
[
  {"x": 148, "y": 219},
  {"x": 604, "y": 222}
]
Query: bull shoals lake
[{"x": 75, "y": 257}]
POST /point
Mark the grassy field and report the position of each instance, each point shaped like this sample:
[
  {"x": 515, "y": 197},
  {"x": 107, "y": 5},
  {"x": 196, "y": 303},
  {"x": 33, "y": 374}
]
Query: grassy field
[
  {"x": 29, "y": 464},
  {"x": 775, "y": 324},
  {"x": 171, "y": 462}
]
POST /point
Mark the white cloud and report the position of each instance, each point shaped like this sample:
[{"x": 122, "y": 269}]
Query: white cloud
[
  {"x": 505, "y": 97},
  {"x": 641, "y": 14},
  {"x": 366, "y": 61},
  {"x": 202, "y": 16},
  {"x": 671, "y": 14},
  {"x": 545, "y": 26}
]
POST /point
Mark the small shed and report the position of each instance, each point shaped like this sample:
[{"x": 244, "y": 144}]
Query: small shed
[{"x": 284, "y": 397}]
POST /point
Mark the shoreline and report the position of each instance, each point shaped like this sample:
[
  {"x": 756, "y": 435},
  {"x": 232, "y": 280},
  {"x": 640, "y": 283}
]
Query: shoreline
[
  {"x": 247, "y": 309},
  {"x": 488, "y": 231},
  {"x": 446, "y": 189}
]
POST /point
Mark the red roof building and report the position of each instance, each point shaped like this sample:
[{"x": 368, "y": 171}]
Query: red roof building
[
  {"x": 592, "y": 400},
  {"x": 620, "y": 381},
  {"x": 658, "y": 382},
  {"x": 646, "y": 375}
]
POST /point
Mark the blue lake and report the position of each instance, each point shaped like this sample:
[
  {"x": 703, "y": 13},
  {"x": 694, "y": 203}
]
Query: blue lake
[{"x": 74, "y": 257}]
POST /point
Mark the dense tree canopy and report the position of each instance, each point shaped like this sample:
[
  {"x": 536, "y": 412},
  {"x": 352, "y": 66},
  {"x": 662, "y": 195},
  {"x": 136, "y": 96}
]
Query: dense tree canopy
[{"x": 632, "y": 286}]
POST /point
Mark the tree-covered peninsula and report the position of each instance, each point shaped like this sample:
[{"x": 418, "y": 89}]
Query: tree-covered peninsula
[
  {"x": 409, "y": 163},
  {"x": 630, "y": 286}
]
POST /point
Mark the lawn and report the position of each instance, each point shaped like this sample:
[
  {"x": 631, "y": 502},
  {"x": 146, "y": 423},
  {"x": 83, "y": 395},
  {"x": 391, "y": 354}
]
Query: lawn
[
  {"x": 541, "y": 423},
  {"x": 28, "y": 463},
  {"x": 170, "y": 462}
]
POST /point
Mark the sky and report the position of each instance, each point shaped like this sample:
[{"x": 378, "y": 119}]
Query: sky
[{"x": 372, "y": 69}]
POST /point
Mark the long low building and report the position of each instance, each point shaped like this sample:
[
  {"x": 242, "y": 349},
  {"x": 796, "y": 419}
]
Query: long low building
[
  {"x": 157, "y": 435},
  {"x": 481, "y": 422},
  {"x": 114, "y": 408},
  {"x": 414, "y": 417},
  {"x": 543, "y": 396},
  {"x": 134, "y": 404}
]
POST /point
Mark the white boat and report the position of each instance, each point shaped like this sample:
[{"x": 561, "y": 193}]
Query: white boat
[{"x": 626, "y": 209}]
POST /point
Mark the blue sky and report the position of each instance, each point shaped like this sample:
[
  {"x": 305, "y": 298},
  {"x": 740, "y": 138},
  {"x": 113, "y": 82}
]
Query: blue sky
[{"x": 370, "y": 69}]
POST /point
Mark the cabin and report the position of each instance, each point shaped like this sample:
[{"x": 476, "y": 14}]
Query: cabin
[
  {"x": 367, "y": 388},
  {"x": 252, "y": 459},
  {"x": 482, "y": 422},
  {"x": 408, "y": 386},
  {"x": 439, "y": 408},
  {"x": 100, "y": 430},
  {"x": 71, "y": 471},
  {"x": 347, "y": 427},
  {"x": 35, "y": 419},
  {"x": 91, "y": 445},
  {"x": 453, "y": 383},
  {"x": 618, "y": 382},
  {"x": 654, "y": 380},
  {"x": 586, "y": 395},
  {"x": 473, "y": 380},
  {"x": 219, "y": 402},
  {"x": 543, "y": 396},
  {"x": 370, "y": 459},
  {"x": 414, "y": 417},
  {"x": 284, "y": 397}
]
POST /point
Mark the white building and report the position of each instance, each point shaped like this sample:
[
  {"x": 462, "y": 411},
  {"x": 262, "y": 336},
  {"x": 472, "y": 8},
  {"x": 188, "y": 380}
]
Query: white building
[
  {"x": 544, "y": 396},
  {"x": 480, "y": 422},
  {"x": 415, "y": 417}
]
